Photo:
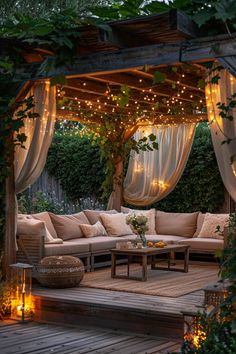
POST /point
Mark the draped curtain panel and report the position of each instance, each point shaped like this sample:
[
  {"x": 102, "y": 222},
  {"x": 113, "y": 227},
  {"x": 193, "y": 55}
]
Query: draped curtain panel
[
  {"x": 29, "y": 162},
  {"x": 222, "y": 129},
  {"x": 152, "y": 175}
]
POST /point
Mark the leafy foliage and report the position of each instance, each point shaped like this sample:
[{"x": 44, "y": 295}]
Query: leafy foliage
[
  {"x": 219, "y": 326},
  {"x": 200, "y": 187},
  {"x": 77, "y": 164}
]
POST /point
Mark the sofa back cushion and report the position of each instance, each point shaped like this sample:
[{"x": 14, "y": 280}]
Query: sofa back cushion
[
  {"x": 150, "y": 214},
  {"x": 178, "y": 224},
  {"x": 45, "y": 217},
  {"x": 210, "y": 223},
  {"x": 200, "y": 220},
  {"x": 30, "y": 226},
  {"x": 93, "y": 215},
  {"x": 115, "y": 224},
  {"x": 93, "y": 230},
  {"x": 67, "y": 226},
  {"x": 81, "y": 217}
]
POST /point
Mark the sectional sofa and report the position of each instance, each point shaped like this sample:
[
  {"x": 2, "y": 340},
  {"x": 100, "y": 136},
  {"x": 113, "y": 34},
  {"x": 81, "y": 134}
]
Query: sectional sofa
[{"x": 91, "y": 234}]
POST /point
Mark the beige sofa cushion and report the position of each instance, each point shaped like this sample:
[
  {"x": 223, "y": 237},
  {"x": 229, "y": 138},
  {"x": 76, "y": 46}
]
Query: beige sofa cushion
[
  {"x": 200, "y": 220},
  {"x": 30, "y": 226},
  {"x": 66, "y": 226},
  {"x": 203, "y": 244},
  {"x": 81, "y": 217},
  {"x": 44, "y": 216},
  {"x": 69, "y": 247},
  {"x": 178, "y": 224},
  {"x": 115, "y": 224},
  {"x": 210, "y": 223},
  {"x": 93, "y": 230},
  {"x": 102, "y": 243},
  {"x": 150, "y": 214},
  {"x": 93, "y": 215},
  {"x": 27, "y": 225},
  {"x": 165, "y": 238}
]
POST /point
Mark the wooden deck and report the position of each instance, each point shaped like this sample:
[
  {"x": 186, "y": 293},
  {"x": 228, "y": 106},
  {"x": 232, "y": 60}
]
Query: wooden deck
[
  {"x": 143, "y": 314},
  {"x": 36, "y": 338}
]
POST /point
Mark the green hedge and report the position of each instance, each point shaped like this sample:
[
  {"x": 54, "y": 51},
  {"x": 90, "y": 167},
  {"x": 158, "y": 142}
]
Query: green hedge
[
  {"x": 200, "y": 187},
  {"x": 76, "y": 163}
]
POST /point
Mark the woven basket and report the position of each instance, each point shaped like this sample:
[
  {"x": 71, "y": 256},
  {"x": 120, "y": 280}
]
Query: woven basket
[{"x": 60, "y": 271}]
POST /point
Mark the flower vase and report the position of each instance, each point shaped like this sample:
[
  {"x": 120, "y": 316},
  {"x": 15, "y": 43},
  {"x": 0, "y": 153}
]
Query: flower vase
[{"x": 143, "y": 239}]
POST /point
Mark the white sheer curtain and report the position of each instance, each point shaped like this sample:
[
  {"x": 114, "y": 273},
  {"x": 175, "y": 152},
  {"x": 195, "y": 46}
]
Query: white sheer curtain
[
  {"x": 152, "y": 175},
  {"x": 222, "y": 128},
  {"x": 29, "y": 162}
]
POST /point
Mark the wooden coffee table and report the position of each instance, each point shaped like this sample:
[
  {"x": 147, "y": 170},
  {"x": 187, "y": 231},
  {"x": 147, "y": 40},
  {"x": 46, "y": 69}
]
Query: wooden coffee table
[{"x": 146, "y": 252}]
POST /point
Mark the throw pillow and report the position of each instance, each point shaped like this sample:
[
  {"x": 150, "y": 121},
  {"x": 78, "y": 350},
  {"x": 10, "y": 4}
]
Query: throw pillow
[
  {"x": 30, "y": 226},
  {"x": 150, "y": 214},
  {"x": 44, "y": 216},
  {"x": 93, "y": 215},
  {"x": 115, "y": 224},
  {"x": 211, "y": 221},
  {"x": 93, "y": 230},
  {"x": 66, "y": 226},
  {"x": 177, "y": 224}
]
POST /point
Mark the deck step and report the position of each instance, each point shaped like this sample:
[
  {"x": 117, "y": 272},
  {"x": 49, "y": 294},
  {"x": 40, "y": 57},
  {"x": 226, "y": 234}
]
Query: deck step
[{"x": 155, "y": 322}]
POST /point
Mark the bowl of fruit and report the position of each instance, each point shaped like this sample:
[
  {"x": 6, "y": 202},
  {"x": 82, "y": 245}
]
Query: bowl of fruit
[{"x": 156, "y": 244}]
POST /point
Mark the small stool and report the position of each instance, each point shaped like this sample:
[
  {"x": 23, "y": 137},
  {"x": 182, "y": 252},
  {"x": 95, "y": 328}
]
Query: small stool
[{"x": 60, "y": 271}]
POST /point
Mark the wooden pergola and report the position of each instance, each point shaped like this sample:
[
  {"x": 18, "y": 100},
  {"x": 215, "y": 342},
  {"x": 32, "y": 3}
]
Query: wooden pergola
[{"x": 131, "y": 54}]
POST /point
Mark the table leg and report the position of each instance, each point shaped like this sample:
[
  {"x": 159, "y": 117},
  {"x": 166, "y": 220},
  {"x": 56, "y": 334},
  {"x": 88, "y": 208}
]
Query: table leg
[
  {"x": 186, "y": 260},
  {"x": 113, "y": 265},
  {"x": 144, "y": 268}
]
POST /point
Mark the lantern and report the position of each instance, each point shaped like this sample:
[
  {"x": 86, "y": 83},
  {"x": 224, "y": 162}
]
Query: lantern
[
  {"x": 193, "y": 331},
  {"x": 215, "y": 294},
  {"x": 21, "y": 291}
]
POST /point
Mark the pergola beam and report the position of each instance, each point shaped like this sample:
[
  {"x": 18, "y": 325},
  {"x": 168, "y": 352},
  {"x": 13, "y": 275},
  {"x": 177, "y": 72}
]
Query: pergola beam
[
  {"x": 201, "y": 49},
  {"x": 63, "y": 114}
]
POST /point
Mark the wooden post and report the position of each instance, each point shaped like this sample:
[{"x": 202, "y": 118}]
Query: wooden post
[
  {"x": 10, "y": 229},
  {"x": 116, "y": 198}
]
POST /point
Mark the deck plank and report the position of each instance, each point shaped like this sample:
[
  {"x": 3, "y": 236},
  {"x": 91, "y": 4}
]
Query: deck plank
[{"x": 47, "y": 338}]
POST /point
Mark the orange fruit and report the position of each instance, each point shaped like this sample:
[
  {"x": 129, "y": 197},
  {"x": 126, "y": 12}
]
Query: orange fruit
[{"x": 150, "y": 244}]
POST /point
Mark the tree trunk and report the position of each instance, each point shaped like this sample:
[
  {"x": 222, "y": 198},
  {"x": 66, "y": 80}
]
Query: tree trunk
[{"x": 116, "y": 197}]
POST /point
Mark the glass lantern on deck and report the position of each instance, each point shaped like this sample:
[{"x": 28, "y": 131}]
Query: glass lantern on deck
[
  {"x": 21, "y": 291},
  {"x": 194, "y": 333}
]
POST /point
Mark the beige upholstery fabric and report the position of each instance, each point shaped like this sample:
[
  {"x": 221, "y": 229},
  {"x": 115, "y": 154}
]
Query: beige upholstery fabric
[
  {"x": 81, "y": 217},
  {"x": 203, "y": 244},
  {"x": 27, "y": 225},
  {"x": 69, "y": 247},
  {"x": 93, "y": 230},
  {"x": 166, "y": 238},
  {"x": 44, "y": 216},
  {"x": 115, "y": 224},
  {"x": 222, "y": 128},
  {"x": 150, "y": 214},
  {"x": 31, "y": 227},
  {"x": 67, "y": 227},
  {"x": 152, "y": 175},
  {"x": 211, "y": 221},
  {"x": 178, "y": 224},
  {"x": 200, "y": 220},
  {"x": 102, "y": 243},
  {"x": 93, "y": 215}
]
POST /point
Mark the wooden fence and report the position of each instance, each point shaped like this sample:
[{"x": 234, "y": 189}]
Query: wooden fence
[{"x": 49, "y": 189}]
